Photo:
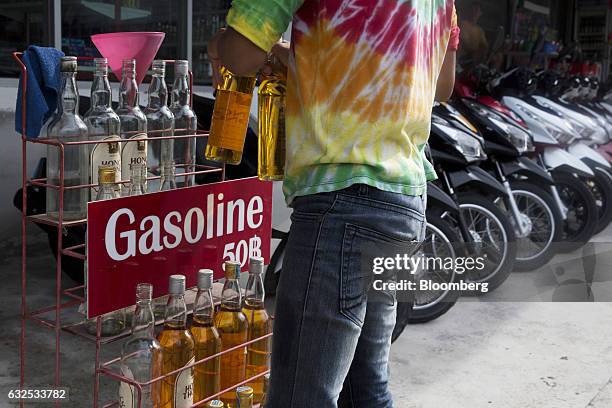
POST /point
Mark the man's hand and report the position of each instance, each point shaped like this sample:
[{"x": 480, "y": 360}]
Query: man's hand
[{"x": 234, "y": 51}]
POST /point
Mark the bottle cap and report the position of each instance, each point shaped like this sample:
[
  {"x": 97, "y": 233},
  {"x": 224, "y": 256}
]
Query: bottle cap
[
  {"x": 215, "y": 404},
  {"x": 244, "y": 392},
  {"x": 256, "y": 265},
  {"x": 205, "y": 279},
  {"x": 181, "y": 67},
  {"x": 232, "y": 270},
  {"x": 68, "y": 64},
  {"x": 176, "y": 285},
  {"x": 144, "y": 291},
  {"x": 106, "y": 174}
]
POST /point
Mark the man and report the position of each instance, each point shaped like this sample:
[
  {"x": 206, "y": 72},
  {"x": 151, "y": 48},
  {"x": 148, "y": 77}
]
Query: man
[
  {"x": 363, "y": 75},
  {"x": 474, "y": 44}
]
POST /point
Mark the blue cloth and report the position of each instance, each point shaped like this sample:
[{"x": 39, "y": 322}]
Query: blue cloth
[
  {"x": 332, "y": 330},
  {"x": 44, "y": 81}
]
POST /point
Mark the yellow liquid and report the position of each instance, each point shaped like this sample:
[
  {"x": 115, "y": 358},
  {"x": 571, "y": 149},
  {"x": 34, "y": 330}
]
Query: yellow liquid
[
  {"x": 177, "y": 350},
  {"x": 207, "y": 375},
  {"x": 230, "y": 118},
  {"x": 258, "y": 354},
  {"x": 233, "y": 329},
  {"x": 271, "y": 110}
]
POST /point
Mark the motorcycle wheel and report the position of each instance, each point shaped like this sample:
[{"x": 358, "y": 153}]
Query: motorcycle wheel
[
  {"x": 601, "y": 188},
  {"x": 494, "y": 239},
  {"x": 538, "y": 247},
  {"x": 582, "y": 214},
  {"x": 440, "y": 241}
]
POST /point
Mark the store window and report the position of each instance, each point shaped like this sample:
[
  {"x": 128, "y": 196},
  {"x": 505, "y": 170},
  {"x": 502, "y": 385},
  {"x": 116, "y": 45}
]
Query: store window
[
  {"x": 82, "y": 18},
  {"x": 21, "y": 23},
  {"x": 208, "y": 17}
]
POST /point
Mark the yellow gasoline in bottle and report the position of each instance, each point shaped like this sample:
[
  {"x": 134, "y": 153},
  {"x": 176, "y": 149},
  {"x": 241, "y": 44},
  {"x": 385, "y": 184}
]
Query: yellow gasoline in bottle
[
  {"x": 271, "y": 112},
  {"x": 230, "y": 118},
  {"x": 206, "y": 338},
  {"x": 177, "y": 349},
  {"x": 233, "y": 328}
]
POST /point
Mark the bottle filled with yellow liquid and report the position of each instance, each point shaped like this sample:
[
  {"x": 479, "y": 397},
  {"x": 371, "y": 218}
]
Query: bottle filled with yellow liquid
[
  {"x": 177, "y": 349},
  {"x": 233, "y": 329},
  {"x": 207, "y": 339},
  {"x": 244, "y": 397},
  {"x": 271, "y": 112},
  {"x": 230, "y": 118},
  {"x": 260, "y": 324}
]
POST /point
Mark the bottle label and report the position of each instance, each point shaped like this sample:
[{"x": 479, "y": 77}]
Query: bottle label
[
  {"x": 133, "y": 153},
  {"x": 126, "y": 391},
  {"x": 183, "y": 387},
  {"x": 230, "y": 120},
  {"x": 105, "y": 154}
]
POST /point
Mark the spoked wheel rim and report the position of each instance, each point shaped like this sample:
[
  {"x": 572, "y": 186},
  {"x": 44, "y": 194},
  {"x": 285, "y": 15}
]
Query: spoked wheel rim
[
  {"x": 493, "y": 245},
  {"x": 543, "y": 226},
  {"x": 435, "y": 245},
  {"x": 576, "y": 211}
]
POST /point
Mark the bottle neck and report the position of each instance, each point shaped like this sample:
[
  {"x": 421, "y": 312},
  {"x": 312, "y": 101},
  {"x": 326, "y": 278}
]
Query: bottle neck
[
  {"x": 69, "y": 95},
  {"x": 176, "y": 312},
  {"x": 128, "y": 91},
  {"x": 158, "y": 92},
  {"x": 143, "y": 324},
  {"x": 203, "y": 309},
  {"x": 100, "y": 92},
  {"x": 255, "y": 293},
  {"x": 180, "y": 91},
  {"x": 231, "y": 295}
]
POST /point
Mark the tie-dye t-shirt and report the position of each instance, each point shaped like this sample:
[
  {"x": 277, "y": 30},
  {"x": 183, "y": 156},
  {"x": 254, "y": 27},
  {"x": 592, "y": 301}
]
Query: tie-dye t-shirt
[{"x": 360, "y": 88}]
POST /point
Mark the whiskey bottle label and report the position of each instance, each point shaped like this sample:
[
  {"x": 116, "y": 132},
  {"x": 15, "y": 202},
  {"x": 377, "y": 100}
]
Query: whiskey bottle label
[
  {"x": 230, "y": 120},
  {"x": 105, "y": 154},
  {"x": 126, "y": 391},
  {"x": 133, "y": 153},
  {"x": 183, "y": 387}
]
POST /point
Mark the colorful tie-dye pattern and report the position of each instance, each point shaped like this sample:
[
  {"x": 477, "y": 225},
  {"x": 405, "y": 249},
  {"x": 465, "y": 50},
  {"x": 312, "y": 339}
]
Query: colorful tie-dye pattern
[{"x": 360, "y": 89}]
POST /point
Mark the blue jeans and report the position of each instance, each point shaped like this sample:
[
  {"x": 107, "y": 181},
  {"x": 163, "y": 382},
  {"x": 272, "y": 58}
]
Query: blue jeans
[{"x": 331, "y": 334}]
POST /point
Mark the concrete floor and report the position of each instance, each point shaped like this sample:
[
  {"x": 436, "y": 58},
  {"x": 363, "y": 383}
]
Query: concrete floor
[{"x": 494, "y": 351}]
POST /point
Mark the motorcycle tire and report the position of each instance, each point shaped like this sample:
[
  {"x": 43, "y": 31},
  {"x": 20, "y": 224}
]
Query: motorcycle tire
[
  {"x": 581, "y": 223},
  {"x": 550, "y": 214},
  {"x": 507, "y": 240},
  {"x": 440, "y": 230},
  {"x": 601, "y": 187}
]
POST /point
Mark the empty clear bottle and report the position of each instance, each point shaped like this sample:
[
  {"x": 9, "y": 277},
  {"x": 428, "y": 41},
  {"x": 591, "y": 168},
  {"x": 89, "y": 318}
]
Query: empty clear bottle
[
  {"x": 160, "y": 123},
  {"x": 168, "y": 177},
  {"x": 137, "y": 180},
  {"x": 260, "y": 324},
  {"x": 178, "y": 349},
  {"x": 141, "y": 354},
  {"x": 133, "y": 121},
  {"x": 102, "y": 124},
  {"x": 185, "y": 123},
  {"x": 67, "y": 126},
  {"x": 207, "y": 339}
]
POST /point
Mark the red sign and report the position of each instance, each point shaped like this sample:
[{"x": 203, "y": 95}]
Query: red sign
[{"x": 147, "y": 238}]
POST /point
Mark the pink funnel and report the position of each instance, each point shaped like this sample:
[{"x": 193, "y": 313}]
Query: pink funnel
[{"x": 141, "y": 46}]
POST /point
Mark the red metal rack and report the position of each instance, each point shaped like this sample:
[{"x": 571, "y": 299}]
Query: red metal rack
[{"x": 75, "y": 295}]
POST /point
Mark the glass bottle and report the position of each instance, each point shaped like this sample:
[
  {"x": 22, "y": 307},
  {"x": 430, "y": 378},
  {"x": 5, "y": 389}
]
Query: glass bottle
[
  {"x": 67, "y": 126},
  {"x": 230, "y": 118},
  {"x": 244, "y": 397},
  {"x": 106, "y": 176},
  {"x": 177, "y": 348},
  {"x": 168, "y": 178},
  {"x": 137, "y": 180},
  {"x": 271, "y": 112},
  {"x": 207, "y": 339},
  {"x": 266, "y": 389},
  {"x": 102, "y": 124},
  {"x": 133, "y": 121},
  {"x": 185, "y": 123},
  {"x": 141, "y": 354},
  {"x": 160, "y": 123},
  {"x": 260, "y": 324},
  {"x": 233, "y": 328}
]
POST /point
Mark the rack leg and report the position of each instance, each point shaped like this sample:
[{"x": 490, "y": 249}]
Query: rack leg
[
  {"x": 96, "y": 390},
  {"x": 24, "y": 308},
  {"x": 58, "y": 273}
]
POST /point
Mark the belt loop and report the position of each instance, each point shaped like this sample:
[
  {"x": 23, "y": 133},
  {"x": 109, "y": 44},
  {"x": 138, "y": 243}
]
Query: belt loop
[{"x": 363, "y": 190}]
